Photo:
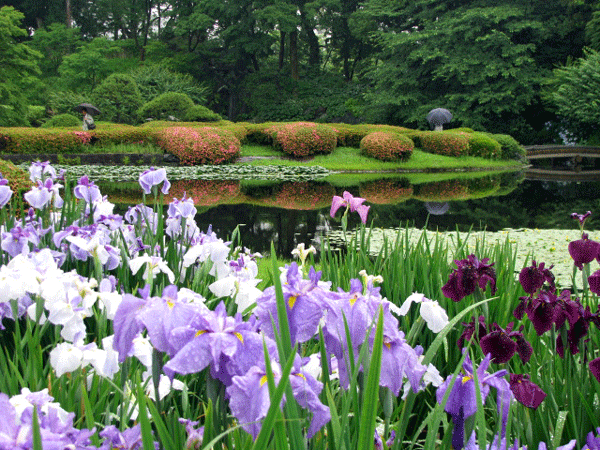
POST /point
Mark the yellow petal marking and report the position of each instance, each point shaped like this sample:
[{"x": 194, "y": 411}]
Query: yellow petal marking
[
  {"x": 292, "y": 300},
  {"x": 263, "y": 380},
  {"x": 466, "y": 378},
  {"x": 239, "y": 336},
  {"x": 199, "y": 332}
]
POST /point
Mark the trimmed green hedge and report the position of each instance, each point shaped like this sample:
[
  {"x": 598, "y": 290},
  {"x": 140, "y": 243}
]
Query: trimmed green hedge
[
  {"x": 483, "y": 145},
  {"x": 63, "y": 120},
  {"x": 442, "y": 143},
  {"x": 386, "y": 146}
]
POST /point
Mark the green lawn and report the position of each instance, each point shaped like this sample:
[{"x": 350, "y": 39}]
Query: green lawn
[{"x": 349, "y": 158}]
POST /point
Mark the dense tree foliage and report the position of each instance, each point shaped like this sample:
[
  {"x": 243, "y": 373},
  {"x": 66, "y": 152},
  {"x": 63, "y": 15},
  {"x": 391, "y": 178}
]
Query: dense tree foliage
[{"x": 387, "y": 61}]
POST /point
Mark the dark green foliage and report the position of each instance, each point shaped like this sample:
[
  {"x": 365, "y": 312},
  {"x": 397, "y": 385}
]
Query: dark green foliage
[
  {"x": 37, "y": 115},
  {"x": 18, "y": 69},
  {"x": 386, "y": 146},
  {"x": 199, "y": 113},
  {"x": 61, "y": 102},
  {"x": 574, "y": 91},
  {"x": 118, "y": 99},
  {"x": 55, "y": 42},
  {"x": 63, "y": 120},
  {"x": 483, "y": 145},
  {"x": 169, "y": 104},
  {"x": 155, "y": 80}
]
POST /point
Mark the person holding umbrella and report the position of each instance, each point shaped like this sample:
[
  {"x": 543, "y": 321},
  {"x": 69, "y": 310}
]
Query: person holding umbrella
[{"x": 87, "y": 110}]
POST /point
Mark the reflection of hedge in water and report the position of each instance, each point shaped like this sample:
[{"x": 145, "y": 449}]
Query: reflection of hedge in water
[
  {"x": 208, "y": 192},
  {"x": 483, "y": 187},
  {"x": 442, "y": 191},
  {"x": 386, "y": 191},
  {"x": 301, "y": 195}
]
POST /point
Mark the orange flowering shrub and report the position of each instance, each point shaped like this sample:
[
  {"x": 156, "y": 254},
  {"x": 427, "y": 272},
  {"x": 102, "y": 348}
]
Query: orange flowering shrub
[
  {"x": 386, "y": 146},
  {"x": 447, "y": 144},
  {"x": 301, "y": 139},
  {"x": 203, "y": 145},
  {"x": 386, "y": 191},
  {"x": 301, "y": 195},
  {"x": 439, "y": 191},
  {"x": 208, "y": 192}
]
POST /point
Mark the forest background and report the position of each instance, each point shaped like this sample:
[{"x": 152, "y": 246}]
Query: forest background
[{"x": 528, "y": 68}]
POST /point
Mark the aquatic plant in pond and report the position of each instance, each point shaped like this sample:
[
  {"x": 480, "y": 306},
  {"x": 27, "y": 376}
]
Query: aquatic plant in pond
[{"x": 147, "y": 319}]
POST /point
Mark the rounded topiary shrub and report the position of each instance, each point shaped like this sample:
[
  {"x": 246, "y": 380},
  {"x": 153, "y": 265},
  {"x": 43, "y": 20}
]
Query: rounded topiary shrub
[
  {"x": 167, "y": 106},
  {"x": 201, "y": 145},
  {"x": 447, "y": 144},
  {"x": 386, "y": 146},
  {"x": 63, "y": 120},
  {"x": 302, "y": 139},
  {"x": 118, "y": 99},
  {"x": 199, "y": 113},
  {"x": 483, "y": 145},
  {"x": 509, "y": 147},
  {"x": 386, "y": 191}
]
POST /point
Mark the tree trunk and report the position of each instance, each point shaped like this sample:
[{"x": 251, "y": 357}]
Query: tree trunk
[
  {"x": 294, "y": 54},
  {"x": 281, "y": 49},
  {"x": 314, "y": 54},
  {"x": 68, "y": 13}
]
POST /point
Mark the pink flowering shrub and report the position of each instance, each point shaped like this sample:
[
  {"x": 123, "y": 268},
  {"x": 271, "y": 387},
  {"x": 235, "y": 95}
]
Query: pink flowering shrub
[
  {"x": 301, "y": 139},
  {"x": 203, "y": 145},
  {"x": 386, "y": 192},
  {"x": 443, "y": 143},
  {"x": 386, "y": 146}
]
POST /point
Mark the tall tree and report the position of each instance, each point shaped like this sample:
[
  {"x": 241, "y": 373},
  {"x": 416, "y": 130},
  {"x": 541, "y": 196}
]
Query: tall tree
[
  {"x": 477, "y": 59},
  {"x": 19, "y": 68}
]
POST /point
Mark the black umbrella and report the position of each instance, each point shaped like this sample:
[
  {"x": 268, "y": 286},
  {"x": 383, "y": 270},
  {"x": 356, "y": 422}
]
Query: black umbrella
[
  {"x": 91, "y": 109},
  {"x": 439, "y": 116}
]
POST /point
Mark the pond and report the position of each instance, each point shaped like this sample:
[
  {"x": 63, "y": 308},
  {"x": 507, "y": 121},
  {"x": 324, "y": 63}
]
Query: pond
[{"x": 288, "y": 213}]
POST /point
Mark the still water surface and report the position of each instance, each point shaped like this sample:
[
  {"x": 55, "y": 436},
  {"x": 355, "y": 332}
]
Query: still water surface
[{"x": 289, "y": 213}]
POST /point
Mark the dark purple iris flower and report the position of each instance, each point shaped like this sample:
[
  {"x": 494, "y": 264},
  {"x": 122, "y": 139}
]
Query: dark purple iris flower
[
  {"x": 471, "y": 329},
  {"x": 533, "y": 277},
  {"x": 469, "y": 274},
  {"x": 578, "y": 328},
  {"x": 595, "y": 368},
  {"x": 500, "y": 344},
  {"x": 526, "y": 392},
  {"x": 581, "y": 217},
  {"x": 594, "y": 282},
  {"x": 584, "y": 251}
]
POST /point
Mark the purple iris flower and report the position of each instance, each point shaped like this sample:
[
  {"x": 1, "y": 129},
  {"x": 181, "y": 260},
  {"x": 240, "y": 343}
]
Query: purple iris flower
[
  {"x": 40, "y": 170},
  {"x": 351, "y": 203},
  {"x": 304, "y": 305},
  {"x": 142, "y": 216},
  {"x": 501, "y": 444},
  {"x": 39, "y": 196},
  {"x": 471, "y": 329},
  {"x": 129, "y": 439},
  {"x": 209, "y": 336},
  {"x": 525, "y": 391},
  {"x": 462, "y": 400},
  {"x": 153, "y": 177},
  {"x": 592, "y": 442},
  {"x": 182, "y": 208},
  {"x": 17, "y": 240},
  {"x": 533, "y": 277},
  {"x": 5, "y": 192},
  {"x": 500, "y": 344},
  {"x": 581, "y": 217},
  {"x": 469, "y": 274},
  {"x": 584, "y": 251},
  {"x": 86, "y": 190},
  {"x": 127, "y": 324},
  {"x": 195, "y": 435},
  {"x": 249, "y": 396}
]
